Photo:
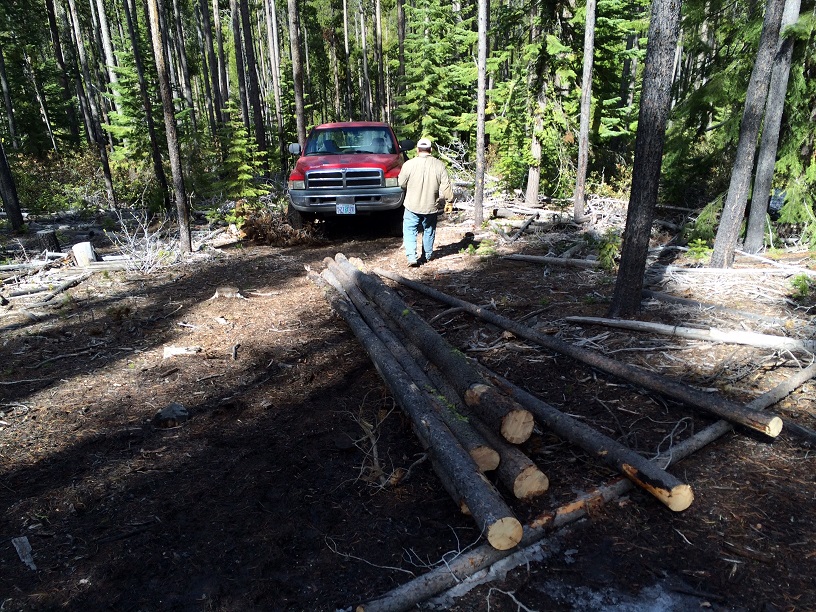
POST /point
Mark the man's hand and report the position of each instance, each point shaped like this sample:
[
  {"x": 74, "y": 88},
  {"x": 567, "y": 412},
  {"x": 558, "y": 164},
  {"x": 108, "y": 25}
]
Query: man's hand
[{"x": 448, "y": 207}]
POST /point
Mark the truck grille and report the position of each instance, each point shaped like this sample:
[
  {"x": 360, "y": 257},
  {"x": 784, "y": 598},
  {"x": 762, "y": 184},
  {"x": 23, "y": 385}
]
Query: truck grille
[{"x": 347, "y": 177}]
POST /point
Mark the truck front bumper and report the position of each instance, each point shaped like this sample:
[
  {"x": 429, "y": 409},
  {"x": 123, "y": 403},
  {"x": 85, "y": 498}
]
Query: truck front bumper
[{"x": 365, "y": 200}]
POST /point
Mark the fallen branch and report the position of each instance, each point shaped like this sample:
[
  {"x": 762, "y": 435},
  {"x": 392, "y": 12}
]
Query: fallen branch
[
  {"x": 779, "y": 343},
  {"x": 557, "y": 261},
  {"x": 524, "y": 227},
  {"x": 673, "y": 299},
  {"x": 63, "y": 287},
  {"x": 770, "y": 425}
]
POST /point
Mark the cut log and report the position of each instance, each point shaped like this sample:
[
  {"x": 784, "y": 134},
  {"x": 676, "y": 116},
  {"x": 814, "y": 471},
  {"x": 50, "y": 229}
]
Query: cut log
[
  {"x": 673, "y": 299},
  {"x": 675, "y": 494},
  {"x": 509, "y": 418},
  {"x": 492, "y": 516},
  {"x": 476, "y": 446},
  {"x": 556, "y": 261},
  {"x": 712, "y": 334},
  {"x": 516, "y": 471},
  {"x": 496, "y": 407},
  {"x": 84, "y": 253},
  {"x": 408, "y": 595},
  {"x": 768, "y": 424}
]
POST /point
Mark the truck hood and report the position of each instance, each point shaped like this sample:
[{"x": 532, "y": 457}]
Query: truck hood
[{"x": 385, "y": 162}]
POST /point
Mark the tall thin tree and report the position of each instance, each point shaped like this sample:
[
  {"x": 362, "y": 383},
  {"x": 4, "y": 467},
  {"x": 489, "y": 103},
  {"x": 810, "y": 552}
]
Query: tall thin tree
[
  {"x": 655, "y": 103},
  {"x": 734, "y": 208},
  {"x": 586, "y": 106},
  {"x": 481, "y": 102},
  {"x": 8, "y": 191},
  {"x": 297, "y": 70},
  {"x": 254, "y": 93},
  {"x": 155, "y": 8},
  {"x": 780, "y": 71}
]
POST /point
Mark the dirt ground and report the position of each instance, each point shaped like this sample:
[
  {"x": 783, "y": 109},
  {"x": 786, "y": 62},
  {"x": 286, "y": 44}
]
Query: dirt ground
[{"x": 265, "y": 497}]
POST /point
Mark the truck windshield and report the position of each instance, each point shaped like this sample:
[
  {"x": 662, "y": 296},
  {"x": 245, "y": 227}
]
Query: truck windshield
[{"x": 334, "y": 141}]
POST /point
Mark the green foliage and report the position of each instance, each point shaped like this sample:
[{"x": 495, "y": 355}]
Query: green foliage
[
  {"x": 53, "y": 184},
  {"x": 704, "y": 228},
  {"x": 609, "y": 247},
  {"x": 485, "y": 248},
  {"x": 803, "y": 287},
  {"x": 699, "y": 250}
]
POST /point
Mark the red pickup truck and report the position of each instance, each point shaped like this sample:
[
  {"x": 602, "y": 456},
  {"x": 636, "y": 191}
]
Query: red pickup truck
[{"x": 348, "y": 168}]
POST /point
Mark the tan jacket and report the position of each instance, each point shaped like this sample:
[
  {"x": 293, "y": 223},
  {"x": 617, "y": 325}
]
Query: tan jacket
[{"x": 425, "y": 180}]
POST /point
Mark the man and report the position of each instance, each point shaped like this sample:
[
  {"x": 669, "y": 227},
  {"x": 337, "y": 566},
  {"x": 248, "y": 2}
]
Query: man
[{"x": 427, "y": 186}]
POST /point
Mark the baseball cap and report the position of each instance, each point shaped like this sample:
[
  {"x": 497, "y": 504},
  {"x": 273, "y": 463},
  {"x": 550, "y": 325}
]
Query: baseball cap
[{"x": 424, "y": 143}]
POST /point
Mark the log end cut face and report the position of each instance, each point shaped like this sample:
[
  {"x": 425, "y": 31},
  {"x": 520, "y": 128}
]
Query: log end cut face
[
  {"x": 505, "y": 533},
  {"x": 531, "y": 482}
]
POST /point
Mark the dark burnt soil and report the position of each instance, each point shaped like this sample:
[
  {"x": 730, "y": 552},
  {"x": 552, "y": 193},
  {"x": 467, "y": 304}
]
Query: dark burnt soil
[{"x": 266, "y": 498}]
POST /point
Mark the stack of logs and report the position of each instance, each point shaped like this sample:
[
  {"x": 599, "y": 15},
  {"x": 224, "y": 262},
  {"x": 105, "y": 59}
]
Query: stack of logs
[{"x": 468, "y": 418}]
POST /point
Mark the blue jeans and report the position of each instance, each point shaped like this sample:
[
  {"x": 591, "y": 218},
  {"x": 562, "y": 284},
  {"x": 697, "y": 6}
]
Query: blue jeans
[{"x": 412, "y": 224}]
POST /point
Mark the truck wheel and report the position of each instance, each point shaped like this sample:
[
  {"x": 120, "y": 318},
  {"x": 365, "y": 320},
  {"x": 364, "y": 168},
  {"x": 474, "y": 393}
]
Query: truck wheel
[{"x": 295, "y": 218}]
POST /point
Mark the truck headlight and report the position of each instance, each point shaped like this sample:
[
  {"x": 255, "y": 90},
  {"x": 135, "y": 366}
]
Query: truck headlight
[
  {"x": 297, "y": 184},
  {"x": 392, "y": 182}
]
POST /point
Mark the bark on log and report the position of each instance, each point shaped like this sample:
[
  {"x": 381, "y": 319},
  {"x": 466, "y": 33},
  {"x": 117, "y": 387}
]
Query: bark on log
[
  {"x": 770, "y": 425},
  {"x": 492, "y": 516},
  {"x": 516, "y": 471},
  {"x": 408, "y": 595},
  {"x": 476, "y": 446},
  {"x": 712, "y": 334},
  {"x": 670, "y": 490},
  {"x": 557, "y": 261},
  {"x": 514, "y": 422}
]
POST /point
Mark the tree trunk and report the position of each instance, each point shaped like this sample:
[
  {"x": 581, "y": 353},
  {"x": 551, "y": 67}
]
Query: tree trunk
[
  {"x": 514, "y": 422},
  {"x": 770, "y": 425},
  {"x": 212, "y": 61},
  {"x": 780, "y": 71},
  {"x": 65, "y": 86},
  {"x": 209, "y": 100},
  {"x": 735, "y": 201},
  {"x": 131, "y": 14},
  {"x": 586, "y": 104},
  {"x": 655, "y": 101},
  {"x": 274, "y": 61},
  {"x": 252, "y": 73},
  {"x": 297, "y": 71},
  {"x": 107, "y": 48},
  {"x": 349, "y": 104},
  {"x": 534, "y": 172},
  {"x": 235, "y": 20},
  {"x": 8, "y": 191},
  {"x": 7, "y": 101},
  {"x": 94, "y": 128},
  {"x": 170, "y": 127},
  {"x": 29, "y": 70},
  {"x": 481, "y": 96},
  {"x": 181, "y": 52},
  {"x": 366, "y": 85},
  {"x": 401, "y": 47},
  {"x": 381, "y": 105},
  {"x": 493, "y": 518},
  {"x": 222, "y": 62}
]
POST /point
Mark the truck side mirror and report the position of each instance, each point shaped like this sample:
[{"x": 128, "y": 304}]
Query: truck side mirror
[
  {"x": 407, "y": 145},
  {"x": 294, "y": 148}
]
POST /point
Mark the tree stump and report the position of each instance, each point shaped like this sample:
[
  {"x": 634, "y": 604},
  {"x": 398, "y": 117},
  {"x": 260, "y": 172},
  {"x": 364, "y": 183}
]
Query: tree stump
[{"x": 48, "y": 241}]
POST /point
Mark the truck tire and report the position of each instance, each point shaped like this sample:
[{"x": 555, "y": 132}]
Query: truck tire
[{"x": 295, "y": 218}]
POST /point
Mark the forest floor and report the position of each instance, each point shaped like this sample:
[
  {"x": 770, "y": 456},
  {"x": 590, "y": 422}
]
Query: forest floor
[{"x": 265, "y": 497}]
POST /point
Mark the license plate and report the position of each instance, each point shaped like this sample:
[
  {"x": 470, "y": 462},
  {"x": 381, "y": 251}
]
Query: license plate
[{"x": 346, "y": 209}]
